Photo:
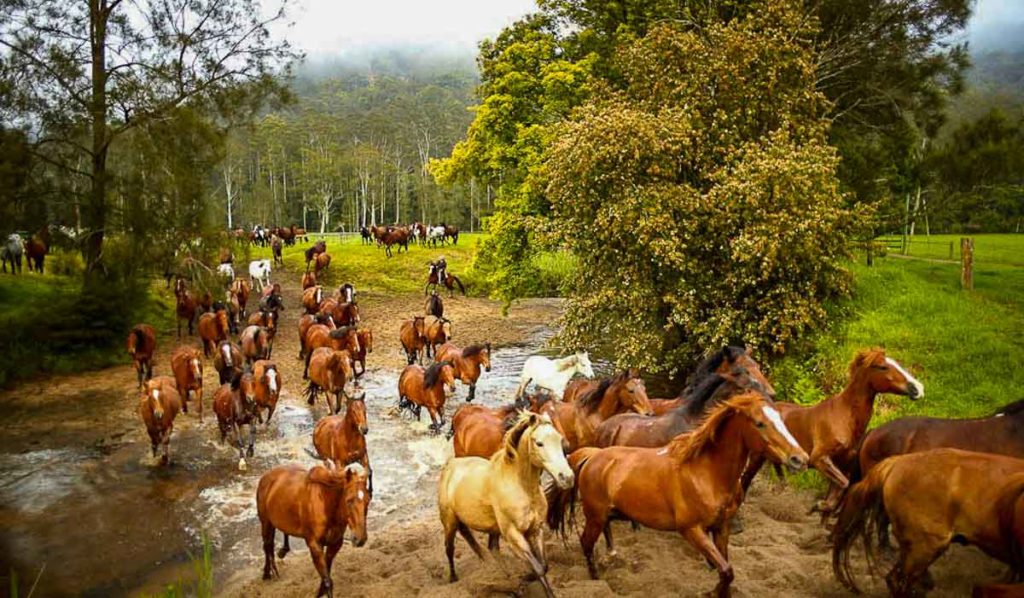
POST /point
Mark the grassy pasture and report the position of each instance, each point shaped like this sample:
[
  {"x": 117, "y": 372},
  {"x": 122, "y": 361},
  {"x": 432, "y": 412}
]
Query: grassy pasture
[{"x": 988, "y": 248}]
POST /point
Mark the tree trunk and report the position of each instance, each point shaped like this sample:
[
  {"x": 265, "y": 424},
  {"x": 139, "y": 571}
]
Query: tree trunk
[{"x": 96, "y": 210}]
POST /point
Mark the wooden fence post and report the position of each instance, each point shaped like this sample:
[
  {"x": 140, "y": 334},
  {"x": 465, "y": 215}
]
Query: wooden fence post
[
  {"x": 967, "y": 263},
  {"x": 871, "y": 244},
  {"x": 950, "y": 250}
]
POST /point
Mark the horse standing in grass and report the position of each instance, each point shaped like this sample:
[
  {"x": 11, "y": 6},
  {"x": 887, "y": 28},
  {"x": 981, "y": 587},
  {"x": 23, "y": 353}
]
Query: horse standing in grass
[
  {"x": 831, "y": 430},
  {"x": 467, "y": 363},
  {"x": 187, "y": 366},
  {"x": 933, "y": 499},
  {"x": 141, "y": 346},
  {"x": 158, "y": 407},
  {"x": 321, "y": 263},
  {"x": 554, "y": 374},
  {"x": 11, "y": 252},
  {"x": 318, "y": 505},
  {"x": 235, "y": 406},
  {"x": 690, "y": 486},
  {"x": 36, "y": 249},
  {"x": 418, "y": 387},
  {"x": 411, "y": 335},
  {"x": 436, "y": 331},
  {"x": 502, "y": 496},
  {"x": 268, "y": 388}
]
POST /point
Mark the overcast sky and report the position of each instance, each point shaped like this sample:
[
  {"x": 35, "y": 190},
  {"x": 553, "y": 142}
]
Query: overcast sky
[{"x": 326, "y": 28}]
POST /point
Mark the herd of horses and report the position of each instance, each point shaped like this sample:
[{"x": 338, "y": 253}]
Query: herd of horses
[
  {"x": 34, "y": 250},
  {"x": 573, "y": 450},
  {"x": 387, "y": 236}
]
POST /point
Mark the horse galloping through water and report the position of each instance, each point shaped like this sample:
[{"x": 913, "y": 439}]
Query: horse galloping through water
[
  {"x": 342, "y": 438},
  {"x": 436, "y": 331},
  {"x": 501, "y": 496},
  {"x": 214, "y": 328},
  {"x": 187, "y": 366},
  {"x": 329, "y": 369},
  {"x": 235, "y": 406},
  {"x": 418, "y": 387},
  {"x": 268, "y": 388},
  {"x": 158, "y": 407},
  {"x": 411, "y": 335},
  {"x": 141, "y": 346},
  {"x": 467, "y": 363}
]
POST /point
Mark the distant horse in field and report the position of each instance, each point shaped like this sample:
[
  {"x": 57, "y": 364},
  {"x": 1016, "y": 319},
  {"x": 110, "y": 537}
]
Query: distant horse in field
[
  {"x": 452, "y": 232},
  {"x": 259, "y": 274},
  {"x": 365, "y": 236},
  {"x": 322, "y": 262},
  {"x": 158, "y": 407},
  {"x": 554, "y": 374},
  {"x": 450, "y": 282},
  {"x": 12, "y": 252},
  {"x": 313, "y": 251},
  {"x": 235, "y": 406},
  {"x": 275, "y": 250},
  {"x": 398, "y": 237},
  {"x": 36, "y": 249},
  {"x": 141, "y": 346}
]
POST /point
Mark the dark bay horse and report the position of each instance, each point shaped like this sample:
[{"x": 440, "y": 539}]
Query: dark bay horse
[
  {"x": 398, "y": 237},
  {"x": 467, "y": 363},
  {"x": 730, "y": 361},
  {"x": 434, "y": 306},
  {"x": 687, "y": 487},
  {"x": 36, "y": 249},
  {"x": 476, "y": 430},
  {"x": 185, "y": 307}
]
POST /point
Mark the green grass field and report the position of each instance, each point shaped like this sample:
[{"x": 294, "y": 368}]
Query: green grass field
[{"x": 988, "y": 249}]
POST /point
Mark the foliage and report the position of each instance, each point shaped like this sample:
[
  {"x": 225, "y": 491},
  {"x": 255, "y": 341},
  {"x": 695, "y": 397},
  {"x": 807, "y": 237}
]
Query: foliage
[
  {"x": 702, "y": 198},
  {"x": 201, "y": 586}
]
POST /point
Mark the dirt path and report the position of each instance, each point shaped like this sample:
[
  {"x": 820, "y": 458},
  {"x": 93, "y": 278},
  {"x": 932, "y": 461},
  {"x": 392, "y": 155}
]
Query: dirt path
[{"x": 79, "y": 492}]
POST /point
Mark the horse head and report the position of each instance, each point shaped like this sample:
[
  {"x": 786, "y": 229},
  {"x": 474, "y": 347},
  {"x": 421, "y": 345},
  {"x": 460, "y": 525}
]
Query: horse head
[
  {"x": 739, "y": 366},
  {"x": 535, "y": 436},
  {"x": 271, "y": 380},
  {"x": 884, "y": 374},
  {"x": 152, "y": 391},
  {"x": 446, "y": 327},
  {"x": 583, "y": 365},
  {"x": 768, "y": 432},
  {"x": 356, "y": 413},
  {"x": 366, "y": 339},
  {"x": 633, "y": 393}
]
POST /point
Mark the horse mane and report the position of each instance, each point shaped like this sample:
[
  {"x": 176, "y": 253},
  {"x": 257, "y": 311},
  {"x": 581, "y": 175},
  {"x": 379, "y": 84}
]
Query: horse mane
[
  {"x": 711, "y": 363},
  {"x": 865, "y": 356},
  {"x": 341, "y": 332},
  {"x": 1014, "y": 408},
  {"x": 592, "y": 399},
  {"x": 474, "y": 350},
  {"x": 691, "y": 444},
  {"x": 140, "y": 337},
  {"x": 236, "y": 380},
  {"x": 698, "y": 398},
  {"x": 432, "y": 373},
  {"x": 563, "y": 364},
  {"x": 514, "y": 434}
]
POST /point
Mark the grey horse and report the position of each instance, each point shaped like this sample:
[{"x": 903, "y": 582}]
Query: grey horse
[{"x": 12, "y": 252}]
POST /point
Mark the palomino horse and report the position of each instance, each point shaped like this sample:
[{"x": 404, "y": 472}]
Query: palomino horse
[
  {"x": 11, "y": 252},
  {"x": 476, "y": 430},
  {"x": 411, "y": 334},
  {"x": 932, "y": 499},
  {"x": 342, "y": 438},
  {"x": 450, "y": 281},
  {"x": 227, "y": 361},
  {"x": 141, "y": 346},
  {"x": 213, "y": 328},
  {"x": 319, "y": 506},
  {"x": 268, "y": 388},
  {"x": 187, "y": 366},
  {"x": 158, "y": 407},
  {"x": 501, "y": 496},
  {"x": 235, "y": 406},
  {"x": 255, "y": 344},
  {"x": 365, "y": 336},
  {"x": 554, "y": 374},
  {"x": 329, "y": 370},
  {"x": 434, "y": 306},
  {"x": 688, "y": 486},
  {"x": 832, "y": 430},
  {"x": 580, "y": 418},
  {"x": 436, "y": 331},
  {"x": 467, "y": 363},
  {"x": 185, "y": 305},
  {"x": 419, "y": 388},
  {"x": 307, "y": 321}
]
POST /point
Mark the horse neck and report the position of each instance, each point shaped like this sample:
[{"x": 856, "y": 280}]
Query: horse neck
[
  {"x": 859, "y": 399},
  {"x": 610, "y": 404},
  {"x": 723, "y": 460},
  {"x": 525, "y": 471}
]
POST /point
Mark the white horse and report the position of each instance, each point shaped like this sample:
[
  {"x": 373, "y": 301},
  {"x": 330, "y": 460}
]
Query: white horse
[
  {"x": 12, "y": 252},
  {"x": 435, "y": 234},
  {"x": 554, "y": 374},
  {"x": 226, "y": 271},
  {"x": 259, "y": 272}
]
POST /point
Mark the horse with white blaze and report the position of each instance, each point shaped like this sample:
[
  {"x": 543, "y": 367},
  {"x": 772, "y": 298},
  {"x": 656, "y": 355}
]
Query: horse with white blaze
[{"x": 553, "y": 374}]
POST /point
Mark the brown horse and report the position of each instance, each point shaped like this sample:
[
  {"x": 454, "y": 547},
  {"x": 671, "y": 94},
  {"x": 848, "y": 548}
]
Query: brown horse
[
  {"x": 235, "y": 406},
  {"x": 436, "y": 331},
  {"x": 312, "y": 298},
  {"x": 255, "y": 344},
  {"x": 342, "y": 339},
  {"x": 313, "y": 251},
  {"x": 689, "y": 486},
  {"x": 399, "y": 236},
  {"x": 319, "y": 506},
  {"x": 268, "y": 387},
  {"x": 213, "y": 328},
  {"x": 322, "y": 262},
  {"x": 933, "y": 498},
  {"x": 241, "y": 289},
  {"x": 342, "y": 438},
  {"x": 187, "y": 366},
  {"x": 228, "y": 361},
  {"x": 831, "y": 430},
  {"x": 418, "y": 387},
  {"x": 594, "y": 403},
  {"x": 721, "y": 375},
  {"x": 449, "y": 282},
  {"x": 308, "y": 320},
  {"x": 141, "y": 346},
  {"x": 276, "y": 246},
  {"x": 411, "y": 334},
  {"x": 158, "y": 407},
  {"x": 329, "y": 370},
  {"x": 268, "y": 321},
  {"x": 365, "y": 346},
  {"x": 345, "y": 314},
  {"x": 434, "y": 306},
  {"x": 467, "y": 363},
  {"x": 476, "y": 430},
  {"x": 308, "y": 280},
  {"x": 185, "y": 307},
  {"x": 36, "y": 249},
  {"x": 347, "y": 293}
]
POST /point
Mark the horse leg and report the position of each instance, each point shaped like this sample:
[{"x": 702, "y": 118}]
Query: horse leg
[
  {"x": 316, "y": 552},
  {"x": 472, "y": 393},
  {"x": 167, "y": 447},
  {"x": 835, "y": 476},
  {"x": 269, "y": 566},
  {"x": 449, "y": 549},
  {"x": 149, "y": 369},
  {"x": 494, "y": 542},
  {"x": 252, "y": 440},
  {"x": 521, "y": 547},
  {"x": 588, "y": 538},
  {"x": 435, "y": 427},
  {"x": 284, "y": 549},
  {"x": 917, "y": 554},
  {"x": 467, "y": 535},
  {"x": 608, "y": 543},
  {"x": 700, "y": 540}
]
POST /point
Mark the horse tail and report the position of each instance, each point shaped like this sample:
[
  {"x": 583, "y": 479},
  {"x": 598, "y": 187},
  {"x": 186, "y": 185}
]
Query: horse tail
[
  {"x": 1009, "y": 523},
  {"x": 309, "y": 391},
  {"x": 462, "y": 289},
  {"x": 863, "y": 505},
  {"x": 563, "y": 502}
]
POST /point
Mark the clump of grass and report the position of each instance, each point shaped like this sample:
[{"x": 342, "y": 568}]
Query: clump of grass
[{"x": 201, "y": 586}]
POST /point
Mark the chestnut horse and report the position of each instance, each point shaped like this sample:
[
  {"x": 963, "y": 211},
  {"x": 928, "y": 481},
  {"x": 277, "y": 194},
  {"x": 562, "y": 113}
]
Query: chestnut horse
[
  {"x": 321, "y": 263},
  {"x": 268, "y": 321},
  {"x": 313, "y": 251},
  {"x": 436, "y": 331},
  {"x": 398, "y": 237},
  {"x": 308, "y": 320},
  {"x": 434, "y": 306},
  {"x": 141, "y": 346},
  {"x": 318, "y": 506},
  {"x": 255, "y": 344},
  {"x": 418, "y": 387},
  {"x": 36, "y": 249},
  {"x": 185, "y": 307},
  {"x": 689, "y": 486},
  {"x": 241, "y": 289},
  {"x": 347, "y": 293},
  {"x": 365, "y": 336},
  {"x": 187, "y": 366},
  {"x": 345, "y": 314},
  {"x": 268, "y": 388},
  {"x": 235, "y": 406},
  {"x": 467, "y": 363},
  {"x": 342, "y": 339},
  {"x": 312, "y": 298},
  {"x": 594, "y": 402},
  {"x": 213, "y": 328},
  {"x": 476, "y": 431},
  {"x": 449, "y": 282},
  {"x": 411, "y": 334},
  {"x": 227, "y": 361},
  {"x": 831, "y": 430},
  {"x": 158, "y": 407},
  {"x": 502, "y": 495},
  {"x": 308, "y": 280},
  {"x": 933, "y": 498},
  {"x": 342, "y": 438},
  {"x": 329, "y": 370}
]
